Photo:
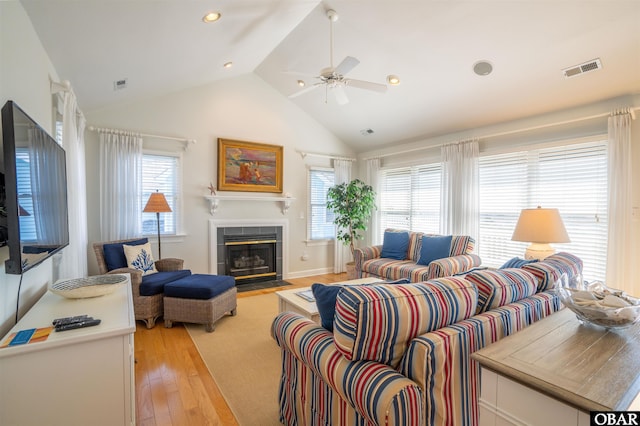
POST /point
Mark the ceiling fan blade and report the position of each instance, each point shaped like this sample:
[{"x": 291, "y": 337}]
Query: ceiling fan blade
[
  {"x": 367, "y": 85},
  {"x": 340, "y": 95},
  {"x": 303, "y": 91},
  {"x": 346, "y": 65}
]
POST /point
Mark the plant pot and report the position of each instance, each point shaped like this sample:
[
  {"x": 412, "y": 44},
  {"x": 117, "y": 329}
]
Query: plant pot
[{"x": 351, "y": 271}]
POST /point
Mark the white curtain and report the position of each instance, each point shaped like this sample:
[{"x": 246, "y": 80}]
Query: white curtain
[
  {"x": 620, "y": 256},
  {"x": 342, "y": 252},
  {"x": 74, "y": 257},
  {"x": 120, "y": 181},
  {"x": 373, "y": 168},
  {"x": 460, "y": 201}
]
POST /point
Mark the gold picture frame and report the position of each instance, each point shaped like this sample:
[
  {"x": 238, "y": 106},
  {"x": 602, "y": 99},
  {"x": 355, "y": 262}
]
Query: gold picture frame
[{"x": 249, "y": 166}]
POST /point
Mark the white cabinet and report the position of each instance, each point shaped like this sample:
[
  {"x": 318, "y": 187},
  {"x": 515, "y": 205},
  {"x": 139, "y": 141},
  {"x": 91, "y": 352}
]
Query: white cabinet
[
  {"x": 556, "y": 371},
  {"x": 76, "y": 377}
]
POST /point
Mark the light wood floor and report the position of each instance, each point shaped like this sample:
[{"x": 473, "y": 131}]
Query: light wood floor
[{"x": 173, "y": 385}]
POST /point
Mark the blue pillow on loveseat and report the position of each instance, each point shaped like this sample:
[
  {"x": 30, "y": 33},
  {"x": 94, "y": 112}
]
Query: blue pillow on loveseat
[
  {"x": 434, "y": 247},
  {"x": 395, "y": 245}
]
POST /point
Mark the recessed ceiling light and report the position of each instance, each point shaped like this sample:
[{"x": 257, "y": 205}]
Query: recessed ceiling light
[
  {"x": 393, "y": 80},
  {"x": 211, "y": 17},
  {"x": 301, "y": 83},
  {"x": 228, "y": 64},
  {"x": 482, "y": 68}
]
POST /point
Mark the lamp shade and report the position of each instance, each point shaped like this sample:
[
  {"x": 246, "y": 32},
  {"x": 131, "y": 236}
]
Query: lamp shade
[
  {"x": 540, "y": 226},
  {"x": 157, "y": 203}
]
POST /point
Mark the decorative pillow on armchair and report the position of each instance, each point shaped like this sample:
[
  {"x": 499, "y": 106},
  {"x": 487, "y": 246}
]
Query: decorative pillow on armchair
[
  {"x": 114, "y": 253},
  {"x": 140, "y": 257}
]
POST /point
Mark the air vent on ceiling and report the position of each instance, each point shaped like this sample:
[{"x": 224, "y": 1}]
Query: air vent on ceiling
[
  {"x": 120, "y": 84},
  {"x": 592, "y": 65}
]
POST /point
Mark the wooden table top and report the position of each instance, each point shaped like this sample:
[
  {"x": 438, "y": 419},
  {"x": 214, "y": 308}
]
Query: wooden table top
[{"x": 586, "y": 366}]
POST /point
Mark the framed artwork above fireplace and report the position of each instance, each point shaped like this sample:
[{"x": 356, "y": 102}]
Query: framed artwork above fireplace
[{"x": 249, "y": 166}]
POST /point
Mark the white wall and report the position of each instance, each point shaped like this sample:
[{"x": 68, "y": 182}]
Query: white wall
[
  {"x": 243, "y": 108},
  {"x": 25, "y": 70}
]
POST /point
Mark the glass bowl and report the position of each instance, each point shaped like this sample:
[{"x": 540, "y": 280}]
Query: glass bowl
[{"x": 595, "y": 303}]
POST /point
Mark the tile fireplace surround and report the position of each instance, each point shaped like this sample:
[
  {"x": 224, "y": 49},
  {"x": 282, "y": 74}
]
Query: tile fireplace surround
[{"x": 218, "y": 227}]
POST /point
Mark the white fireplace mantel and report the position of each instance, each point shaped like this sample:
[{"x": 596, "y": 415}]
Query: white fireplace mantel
[{"x": 214, "y": 201}]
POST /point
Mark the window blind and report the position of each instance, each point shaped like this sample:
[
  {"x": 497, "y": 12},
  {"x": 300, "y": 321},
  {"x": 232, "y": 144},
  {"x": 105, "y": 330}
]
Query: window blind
[
  {"x": 410, "y": 198},
  {"x": 320, "y": 223},
  {"x": 571, "y": 178},
  {"x": 160, "y": 172}
]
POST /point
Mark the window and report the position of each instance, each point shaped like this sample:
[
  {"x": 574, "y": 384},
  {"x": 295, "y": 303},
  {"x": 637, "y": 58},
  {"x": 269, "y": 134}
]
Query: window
[
  {"x": 161, "y": 172},
  {"x": 320, "y": 223},
  {"x": 410, "y": 198},
  {"x": 572, "y": 178}
]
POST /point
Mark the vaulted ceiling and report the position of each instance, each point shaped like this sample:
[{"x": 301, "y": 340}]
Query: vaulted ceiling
[{"x": 163, "y": 46}]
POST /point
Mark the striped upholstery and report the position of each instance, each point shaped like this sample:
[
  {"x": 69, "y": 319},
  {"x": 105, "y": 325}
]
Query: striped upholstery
[
  {"x": 376, "y": 322},
  {"x": 440, "y": 361},
  {"x": 369, "y": 263},
  {"x": 321, "y": 387},
  {"x": 437, "y": 382},
  {"x": 502, "y": 286},
  {"x": 549, "y": 270}
]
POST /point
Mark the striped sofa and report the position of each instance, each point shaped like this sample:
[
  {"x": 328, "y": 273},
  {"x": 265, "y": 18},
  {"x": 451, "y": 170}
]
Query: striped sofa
[
  {"x": 370, "y": 264},
  {"x": 400, "y": 354}
]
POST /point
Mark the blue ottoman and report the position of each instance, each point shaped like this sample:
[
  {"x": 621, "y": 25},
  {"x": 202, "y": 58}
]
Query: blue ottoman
[{"x": 199, "y": 299}]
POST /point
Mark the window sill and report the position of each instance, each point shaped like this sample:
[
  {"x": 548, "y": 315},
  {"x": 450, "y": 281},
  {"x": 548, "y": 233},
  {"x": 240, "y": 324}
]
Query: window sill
[
  {"x": 312, "y": 243},
  {"x": 175, "y": 238}
]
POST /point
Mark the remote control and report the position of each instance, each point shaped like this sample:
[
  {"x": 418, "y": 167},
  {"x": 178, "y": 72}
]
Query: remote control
[
  {"x": 69, "y": 320},
  {"x": 81, "y": 324}
]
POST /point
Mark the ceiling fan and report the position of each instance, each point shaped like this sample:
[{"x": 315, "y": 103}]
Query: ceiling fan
[{"x": 334, "y": 78}]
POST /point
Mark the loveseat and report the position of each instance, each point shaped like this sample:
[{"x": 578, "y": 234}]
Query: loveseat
[
  {"x": 400, "y": 354},
  {"x": 409, "y": 260}
]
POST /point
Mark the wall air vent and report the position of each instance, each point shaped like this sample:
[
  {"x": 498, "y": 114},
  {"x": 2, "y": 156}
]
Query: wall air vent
[
  {"x": 592, "y": 65},
  {"x": 120, "y": 84}
]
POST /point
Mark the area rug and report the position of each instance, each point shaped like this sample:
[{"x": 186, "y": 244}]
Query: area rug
[
  {"x": 261, "y": 285},
  {"x": 244, "y": 360}
]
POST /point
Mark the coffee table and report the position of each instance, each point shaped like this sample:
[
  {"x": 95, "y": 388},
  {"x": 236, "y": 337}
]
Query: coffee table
[{"x": 290, "y": 301}]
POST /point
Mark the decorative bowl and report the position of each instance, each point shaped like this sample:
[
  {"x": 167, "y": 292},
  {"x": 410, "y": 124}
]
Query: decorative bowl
[
  {"x": 595, "y": 303},
  {"x": 94, "y": 286}
]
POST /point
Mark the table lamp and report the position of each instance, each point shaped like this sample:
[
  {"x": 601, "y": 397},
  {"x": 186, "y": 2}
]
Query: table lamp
[
  {"x": 540, "y": 227},
  {"x": 157, "y": 204}
]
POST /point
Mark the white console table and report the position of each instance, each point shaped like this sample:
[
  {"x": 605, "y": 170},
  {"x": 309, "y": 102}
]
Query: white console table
[
  {"x": 556, "y": 371},
  {"x": 76, "y": 377}
]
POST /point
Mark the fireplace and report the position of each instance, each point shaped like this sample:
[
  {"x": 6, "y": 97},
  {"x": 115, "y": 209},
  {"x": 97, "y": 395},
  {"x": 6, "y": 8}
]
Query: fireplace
[
  {"x": 249, "y": 253},
  {"x": 250, "y": 258}
]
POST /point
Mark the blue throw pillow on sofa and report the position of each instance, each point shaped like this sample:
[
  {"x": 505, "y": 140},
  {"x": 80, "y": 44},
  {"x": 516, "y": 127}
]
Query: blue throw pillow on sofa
[
  {"x": 434, "y": 247},
  {"x": 325, "y": 296},
  {"x": 395, "y": 245},
  {"x": 516, "y": 262}
]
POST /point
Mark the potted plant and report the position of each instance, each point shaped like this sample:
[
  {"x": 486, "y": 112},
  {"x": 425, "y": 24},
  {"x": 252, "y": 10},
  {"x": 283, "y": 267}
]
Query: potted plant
[{"x": 352, "y": 203}]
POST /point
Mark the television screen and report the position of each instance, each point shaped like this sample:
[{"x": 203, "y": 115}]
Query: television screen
[{"x": 35, "y": 191}]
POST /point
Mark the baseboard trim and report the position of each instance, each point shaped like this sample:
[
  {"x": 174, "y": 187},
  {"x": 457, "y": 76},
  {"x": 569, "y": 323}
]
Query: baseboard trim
[{"x": 310, "y": 272}]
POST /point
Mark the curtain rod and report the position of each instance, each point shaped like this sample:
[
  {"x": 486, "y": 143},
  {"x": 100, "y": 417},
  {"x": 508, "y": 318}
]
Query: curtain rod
[
  {"x": 118, "y": 131},
  {"x": 331, "y": 156},
  {"x": 511, "y": 132}
]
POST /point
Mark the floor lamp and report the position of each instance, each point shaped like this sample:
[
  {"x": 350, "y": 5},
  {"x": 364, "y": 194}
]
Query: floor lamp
[{"x": 157, "y": 204}]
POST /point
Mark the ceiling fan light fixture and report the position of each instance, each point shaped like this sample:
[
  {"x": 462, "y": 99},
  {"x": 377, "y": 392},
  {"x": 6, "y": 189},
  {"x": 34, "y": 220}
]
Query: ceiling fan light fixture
[
  {"x": 393, "y": 80},
  {"x": 211, "y": 17},
  {"x": 301, "y": 83},
  {"x": 228, "y": 64}
]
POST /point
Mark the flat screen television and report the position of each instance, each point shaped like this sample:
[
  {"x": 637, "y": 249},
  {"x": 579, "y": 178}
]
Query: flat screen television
[{"x": 33, "y": 202}]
